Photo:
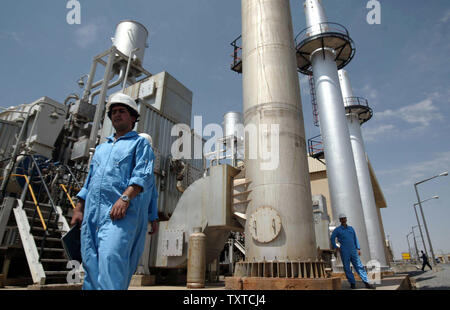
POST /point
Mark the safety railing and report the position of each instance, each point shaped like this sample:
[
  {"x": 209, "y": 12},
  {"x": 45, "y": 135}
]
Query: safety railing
[
  {"x": 328, "y": 29},
  {"x": 67, "y": 194},
  {"x": 237, "y": 55},
  {"x": 33, "y": 196},
  {"x": 356, "y": 101},
  {"x": 315, "y": 146}
]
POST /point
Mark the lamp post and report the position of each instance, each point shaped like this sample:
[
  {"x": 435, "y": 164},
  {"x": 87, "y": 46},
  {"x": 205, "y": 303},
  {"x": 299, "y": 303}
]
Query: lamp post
[
  {"x": 415, "y": 242},
  {"x": 421, "y": 211},
  {"x": 409, "y": 246},
  {"x": 418, "y": 222}
]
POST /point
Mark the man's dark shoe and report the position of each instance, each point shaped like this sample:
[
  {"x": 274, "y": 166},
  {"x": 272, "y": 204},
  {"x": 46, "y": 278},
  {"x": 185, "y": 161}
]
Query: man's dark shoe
[
  {"x": 369, "y": 286},
  {"x": 352, "y": 285}
]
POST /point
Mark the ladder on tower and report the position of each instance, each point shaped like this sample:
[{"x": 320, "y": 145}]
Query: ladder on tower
[{"x": 312, "y": 91}]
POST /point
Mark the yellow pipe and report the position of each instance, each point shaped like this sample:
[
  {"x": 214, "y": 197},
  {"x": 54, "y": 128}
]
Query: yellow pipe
[
  {"x": 34, "y": 199},
  {"x": 68, "y": 196}
]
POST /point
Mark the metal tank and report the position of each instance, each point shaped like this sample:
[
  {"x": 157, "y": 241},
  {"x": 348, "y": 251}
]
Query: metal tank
[
  {"x": 279, "y": 222},
  {"x": 321, "y": 52},
  {"x": 129, "y": 36},
  {"x": 196, "y": 266},
  {"x": 233, "y": 125},
  {"x": 358, "y": 112}
]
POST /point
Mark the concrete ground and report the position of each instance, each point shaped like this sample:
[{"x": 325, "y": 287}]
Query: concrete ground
[
  {"x": 436, "y": 279},
  {"x": 396, "y": 282}
]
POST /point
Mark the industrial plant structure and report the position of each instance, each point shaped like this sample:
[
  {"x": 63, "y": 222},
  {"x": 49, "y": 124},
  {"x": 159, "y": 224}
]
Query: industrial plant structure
[{"x": 274, "y": 217}]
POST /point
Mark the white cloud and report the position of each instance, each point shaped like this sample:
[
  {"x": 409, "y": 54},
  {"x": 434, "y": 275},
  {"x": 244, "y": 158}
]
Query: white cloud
[
  {"x": 15, "y": 36},
  {"x": 369, "y": 92},
  {"x": 86, "y": 35},
  {"x": 411, "y": 173},
  {"x": 421, "y": 113},
  {"x": 446, "y": 17},
  {"x": 371, "y": 133}
]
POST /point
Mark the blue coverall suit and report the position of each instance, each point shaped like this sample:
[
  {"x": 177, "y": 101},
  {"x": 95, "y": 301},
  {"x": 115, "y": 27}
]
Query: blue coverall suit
[
  {"x": 111, "y": 249},
  {"x": 349, "y": 252}
]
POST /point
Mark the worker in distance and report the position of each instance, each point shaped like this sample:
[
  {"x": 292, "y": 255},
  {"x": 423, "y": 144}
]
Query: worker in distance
[
  {"x": 350, "y": 251},
  {"x": 113, "y": 203}
]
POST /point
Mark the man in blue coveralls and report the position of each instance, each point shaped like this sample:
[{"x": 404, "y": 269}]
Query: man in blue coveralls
[
  {"x": 113, "y": 203},
  {"x": 350, "y": 251}
]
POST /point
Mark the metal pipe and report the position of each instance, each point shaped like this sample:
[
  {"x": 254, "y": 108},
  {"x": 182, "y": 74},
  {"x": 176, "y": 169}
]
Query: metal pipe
[
  {"x": 119, "y": 80},
  {"x": 371, "y": 219},
  {"x": 12, "y": 161},
  {"x": 342, "y": 179},
  {"x": 71, "y": 96},
  {"x": 101, "y": 103},
  {"x": 130, "y": 58},
  {"x": 91, "y": 75},
  {"x": 271, "y": 96}
]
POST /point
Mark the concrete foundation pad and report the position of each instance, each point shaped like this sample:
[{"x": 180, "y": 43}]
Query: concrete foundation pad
[
  {"x": 384, "y": 274},
  {"x": 143, "y": 280},
  {"x": 253, "y": 283}
]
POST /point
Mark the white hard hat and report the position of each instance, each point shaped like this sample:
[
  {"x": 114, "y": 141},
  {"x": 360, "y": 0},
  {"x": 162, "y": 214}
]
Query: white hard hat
[
  {"x": 120, "y": 98},
  {"x": 148, "y": 137},
  {"x": 342, "y": 215}
]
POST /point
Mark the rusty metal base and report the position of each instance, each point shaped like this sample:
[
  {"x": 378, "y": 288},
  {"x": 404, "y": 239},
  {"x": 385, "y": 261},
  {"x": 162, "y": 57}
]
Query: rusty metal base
[
  {"x": 256, "y": 283},
  {"x": 281, "y": 269}
]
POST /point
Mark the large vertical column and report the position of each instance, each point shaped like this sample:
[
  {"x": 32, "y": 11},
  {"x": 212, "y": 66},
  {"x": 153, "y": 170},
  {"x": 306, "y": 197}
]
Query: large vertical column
[
  {"x": 371, "y": 219},
  {"x": 271, "y": 95},
  {"x": 342, "y": 179}
]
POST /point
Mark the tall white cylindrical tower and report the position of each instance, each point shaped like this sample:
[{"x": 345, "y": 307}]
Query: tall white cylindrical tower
[
  {"x": 358, "y": 112},
  {"x": 323, "y": 48},
  {"x": 279, "y": 222}
]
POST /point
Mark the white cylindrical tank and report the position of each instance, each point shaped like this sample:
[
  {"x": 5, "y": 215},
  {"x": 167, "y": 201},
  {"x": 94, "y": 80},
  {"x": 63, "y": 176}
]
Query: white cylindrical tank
[
  {"x": 130, "y": 35},
  {"x": 196, "y": 265},
  {"x": 371, "y": 219},
  {"x": 341, "y": 172},
  {"x": 316, "y": 19},
  {"x": 233, "y": 125},
  {"x": 280, "y": 222}
]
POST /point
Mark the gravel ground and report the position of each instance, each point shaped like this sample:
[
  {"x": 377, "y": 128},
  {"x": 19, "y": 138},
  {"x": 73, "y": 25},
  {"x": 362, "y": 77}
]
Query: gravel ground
[{"x": 436, "y": 279}]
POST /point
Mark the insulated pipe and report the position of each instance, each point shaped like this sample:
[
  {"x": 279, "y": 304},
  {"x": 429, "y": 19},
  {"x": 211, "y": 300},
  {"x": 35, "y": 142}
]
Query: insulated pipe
[
  {"x": 271, "y": 96},
  {"x": 101, "y": 103},
  {"x": 91, "y": 74},
  {"x": 119, "y": 80},
  {"x": 371, "y": 219},
  {"x": 341, "y": 172}
]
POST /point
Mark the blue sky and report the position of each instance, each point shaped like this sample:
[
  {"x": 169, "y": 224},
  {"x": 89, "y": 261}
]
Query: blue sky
[{"x": 402, "y": 66}]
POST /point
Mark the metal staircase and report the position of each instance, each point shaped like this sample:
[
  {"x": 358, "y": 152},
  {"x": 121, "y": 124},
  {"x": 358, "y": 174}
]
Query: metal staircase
[
  {"x": 240, "y": 199},
  {"x": 37, "y": 228}
]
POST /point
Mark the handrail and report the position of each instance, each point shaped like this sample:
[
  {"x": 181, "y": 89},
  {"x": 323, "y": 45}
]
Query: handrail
[
  {"x": 320, "y": 29},
  {"x": 33, "y": 196},
  {"x": 349, "y": 101},
  {"x": 68, "y": 196}
]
